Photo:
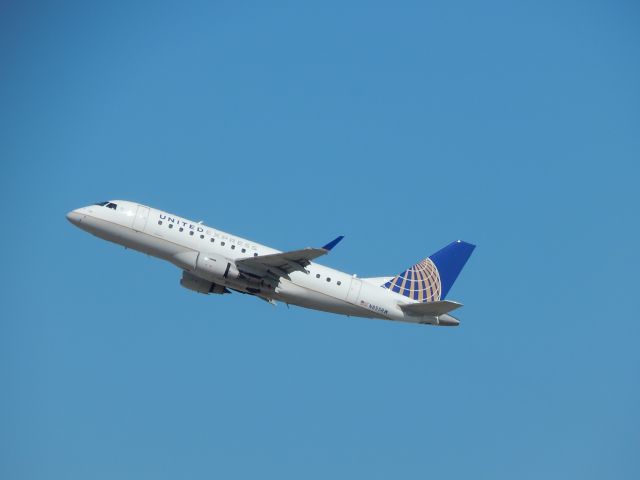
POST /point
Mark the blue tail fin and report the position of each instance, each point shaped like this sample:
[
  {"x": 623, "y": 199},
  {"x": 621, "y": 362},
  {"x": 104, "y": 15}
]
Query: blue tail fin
[{"x": 431, "y": 279}]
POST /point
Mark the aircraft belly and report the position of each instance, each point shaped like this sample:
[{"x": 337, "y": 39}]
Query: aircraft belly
[
  {"x": 129, "y": 238},
  {"x": 291, "y": 293}
]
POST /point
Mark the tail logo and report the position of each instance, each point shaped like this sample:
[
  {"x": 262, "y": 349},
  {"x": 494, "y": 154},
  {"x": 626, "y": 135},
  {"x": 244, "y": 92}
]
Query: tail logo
[{"x": 420, "y": 282}]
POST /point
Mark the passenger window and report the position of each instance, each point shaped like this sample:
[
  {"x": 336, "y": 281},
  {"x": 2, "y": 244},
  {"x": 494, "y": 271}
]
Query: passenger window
[
  {"x": 180, "y": 229},
  {"x": 212, "y": 240},
  {"x": 244, "y": 250},
  {"x": 171, "y": 225},
  {"x": 222, "y": 243},
  {"x": 255, "y": 254},
  {"x": 233, "y": 247},
  {"x": 201, "y": 237},
  {"x": 317, "y": 275},
  {"x": 191, "y": 233},
  {"x": 339, "y": 282},
  {"x": 159, "y": 222},
  {"x": 328, "y": 279}
]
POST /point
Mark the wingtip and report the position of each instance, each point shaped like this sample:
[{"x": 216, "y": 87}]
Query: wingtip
[{"x": 333, "y": 243}]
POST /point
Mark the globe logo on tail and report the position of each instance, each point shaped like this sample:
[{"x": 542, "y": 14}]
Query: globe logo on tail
[{"x": 420, "y": 282}]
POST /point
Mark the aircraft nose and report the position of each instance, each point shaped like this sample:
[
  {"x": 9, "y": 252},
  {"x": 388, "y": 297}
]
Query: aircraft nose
[{"x": 74, "y": 217}]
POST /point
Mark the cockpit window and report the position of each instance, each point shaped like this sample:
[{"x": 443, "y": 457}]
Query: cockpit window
[{"x": 107, "y": 204}]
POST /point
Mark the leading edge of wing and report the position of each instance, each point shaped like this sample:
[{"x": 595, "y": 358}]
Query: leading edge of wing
[{"x": 287, "y": 262}]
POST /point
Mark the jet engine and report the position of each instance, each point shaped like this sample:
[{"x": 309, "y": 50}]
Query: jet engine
[
  {"x": 200, "y": 285},
  {"x": 216, "y": 267}
]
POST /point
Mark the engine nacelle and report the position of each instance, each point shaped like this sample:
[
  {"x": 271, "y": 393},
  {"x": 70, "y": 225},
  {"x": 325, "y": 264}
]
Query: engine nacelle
[
  {"x": 200, "y": 285},
  {"x": 216, "y": 267}
]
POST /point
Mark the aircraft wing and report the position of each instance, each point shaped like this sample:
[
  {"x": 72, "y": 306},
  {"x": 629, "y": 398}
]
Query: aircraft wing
[{"x": 284, "y": 263}]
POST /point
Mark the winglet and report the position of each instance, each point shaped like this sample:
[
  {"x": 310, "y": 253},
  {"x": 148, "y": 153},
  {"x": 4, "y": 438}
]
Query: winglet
[{"x": 333, "y": 243}]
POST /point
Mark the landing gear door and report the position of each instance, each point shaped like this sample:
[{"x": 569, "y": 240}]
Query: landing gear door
[{"x": 142, "y": 215}]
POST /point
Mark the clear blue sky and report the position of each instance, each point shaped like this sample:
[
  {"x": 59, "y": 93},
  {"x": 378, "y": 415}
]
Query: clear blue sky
[{"x": 404, "y": 126}]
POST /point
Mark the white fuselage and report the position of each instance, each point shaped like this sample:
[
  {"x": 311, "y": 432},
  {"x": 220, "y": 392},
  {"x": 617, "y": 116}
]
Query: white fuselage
[
  {"x": 183, "y": 242},
  {"x": 188, "y": 244}
]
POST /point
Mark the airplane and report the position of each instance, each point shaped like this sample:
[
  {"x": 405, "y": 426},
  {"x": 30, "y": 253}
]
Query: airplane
[{"x": 215, "y": 262}]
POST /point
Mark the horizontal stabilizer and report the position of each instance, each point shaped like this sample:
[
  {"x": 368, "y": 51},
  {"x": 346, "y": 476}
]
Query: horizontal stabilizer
[{"x": 430, "y": 308}]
